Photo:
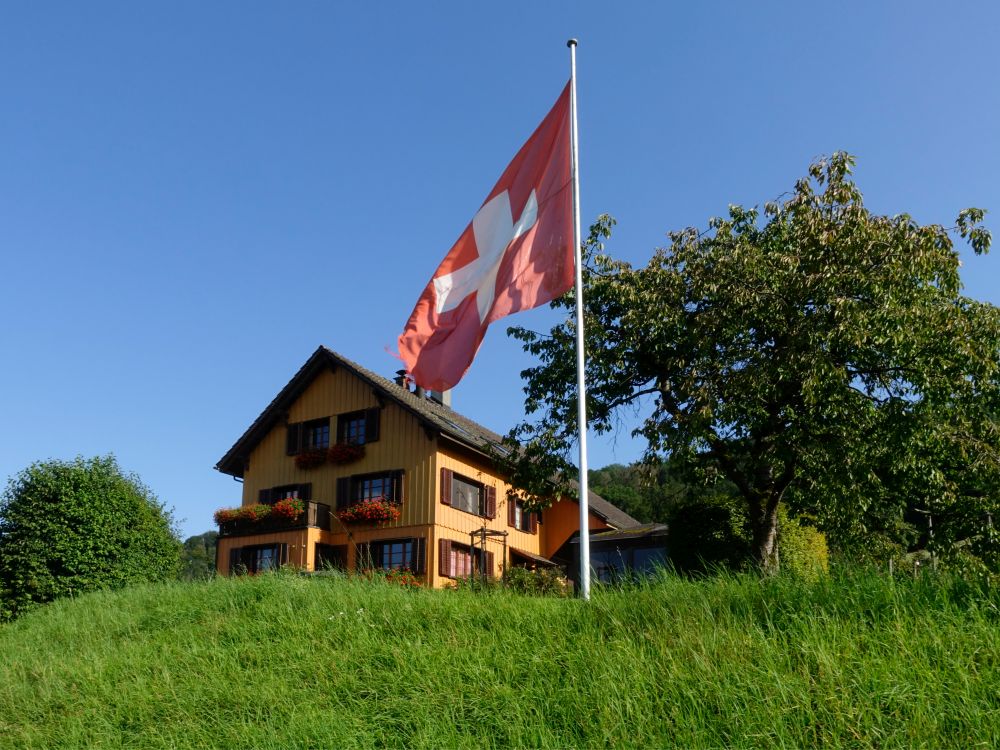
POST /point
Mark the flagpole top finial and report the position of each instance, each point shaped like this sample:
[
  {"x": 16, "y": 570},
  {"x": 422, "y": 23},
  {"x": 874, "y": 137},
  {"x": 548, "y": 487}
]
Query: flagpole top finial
[{"x": 571, "y": 43}]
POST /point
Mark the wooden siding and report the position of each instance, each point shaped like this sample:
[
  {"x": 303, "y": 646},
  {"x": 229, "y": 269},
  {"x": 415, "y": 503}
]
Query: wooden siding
[
  {"x": 562, "y": 520},
  {"x": 452, "y": 523},
  {"x": 402, "y": 444},
  {"x": 300, "y": 545}
]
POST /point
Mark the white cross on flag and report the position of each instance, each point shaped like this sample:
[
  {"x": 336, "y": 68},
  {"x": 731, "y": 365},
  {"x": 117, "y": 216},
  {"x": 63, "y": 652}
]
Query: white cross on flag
[{"x": 517, "y": 253}]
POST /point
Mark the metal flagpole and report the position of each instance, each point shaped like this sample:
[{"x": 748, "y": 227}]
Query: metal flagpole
[{"x": 580, "y": 385}]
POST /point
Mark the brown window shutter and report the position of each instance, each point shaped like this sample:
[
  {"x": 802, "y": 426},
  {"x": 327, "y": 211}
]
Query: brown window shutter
[
  {"x": 293, "y": 439},
  {"x": 444, "y": 558},
  {"x": 343, "y": 492},
  {"x": 491, "y": 502},
  {"x": 305, "y": 491},
  {"x": 419, "y": 554},
  {"x": 282, "y": 554},
  {"x": 488, "y": 563},
  {"x": 264, "y": 496},
  {"x": 371, "y": 425},
  {"x": 446, "y": 475},
  {"x": 397, "y": 485},
  {"x": 511, "y": 511},
  {"x": 534, "y": 523},
  {"x": 234, "y": 560}
]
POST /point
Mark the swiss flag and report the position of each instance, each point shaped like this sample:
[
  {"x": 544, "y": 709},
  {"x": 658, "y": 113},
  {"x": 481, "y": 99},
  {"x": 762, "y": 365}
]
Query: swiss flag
[{"x": 515, "y": 254}]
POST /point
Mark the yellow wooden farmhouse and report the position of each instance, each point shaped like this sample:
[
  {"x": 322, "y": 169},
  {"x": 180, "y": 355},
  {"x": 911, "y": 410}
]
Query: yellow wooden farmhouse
[{"x": 350, "y": 469}]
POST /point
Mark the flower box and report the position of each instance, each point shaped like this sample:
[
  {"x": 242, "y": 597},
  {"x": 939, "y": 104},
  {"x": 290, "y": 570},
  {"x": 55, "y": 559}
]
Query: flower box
[
  {"x": 374, "y": 510},
  {"x": 282, "y": 514},
  {"x": 311, "y": 459},
  {"x": 345, "y": 453}
]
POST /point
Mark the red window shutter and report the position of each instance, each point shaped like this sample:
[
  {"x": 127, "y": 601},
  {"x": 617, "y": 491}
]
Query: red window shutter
[
  {"x": 371, "y": 425},
  {"x": 343, "y": 492},
  {"x": 293, "y": 439},
  {"x": 446, "y": 475},
  {"x": 491, "y": 502},
  {"x": 444, "y": 558},
  {"x": 534, "y": 523},
  {"x": 511, "y": 512},
  {"x": 488, "y": 563}
]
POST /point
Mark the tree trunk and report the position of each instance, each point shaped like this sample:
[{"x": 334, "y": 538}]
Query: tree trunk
[{"x": 764, "y": 526}]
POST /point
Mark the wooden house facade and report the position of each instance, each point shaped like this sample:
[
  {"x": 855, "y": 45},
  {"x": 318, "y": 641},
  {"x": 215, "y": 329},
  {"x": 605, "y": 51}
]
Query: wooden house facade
[{"x": 338, "y": 438}]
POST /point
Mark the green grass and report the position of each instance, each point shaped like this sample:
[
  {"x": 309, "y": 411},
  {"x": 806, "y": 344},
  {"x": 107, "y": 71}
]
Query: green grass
[{"x": 285, "y": 661}]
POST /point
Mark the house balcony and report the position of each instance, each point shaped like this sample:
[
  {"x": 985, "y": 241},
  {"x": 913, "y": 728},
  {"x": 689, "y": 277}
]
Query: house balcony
[{"x": 315, "y": 515}]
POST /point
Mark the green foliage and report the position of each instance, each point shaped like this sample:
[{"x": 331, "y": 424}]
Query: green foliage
[
  {"x": 815, "y": 355},
  {"x": 706, "y": 535},
  {"x": 71, "y": 527},
  {"x": 802, "y": 548},
  {"x": 198, "y": 556},
  {"x": 650, "y": 491},
  {"x": 853, "y": 661},
  {"x": 538, "y": 582}
]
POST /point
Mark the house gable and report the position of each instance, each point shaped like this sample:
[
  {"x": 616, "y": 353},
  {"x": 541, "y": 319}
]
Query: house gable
[{"x": 414, "y": 448}]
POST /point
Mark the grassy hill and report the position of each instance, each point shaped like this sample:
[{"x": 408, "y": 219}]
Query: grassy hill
[{"x": 285, "y": 661}]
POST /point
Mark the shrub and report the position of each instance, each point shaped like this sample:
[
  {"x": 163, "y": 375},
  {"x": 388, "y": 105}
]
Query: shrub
[
  {"x": 541, "y": 582},
  {"x": 802, "y": 548},
  {"x": 73, "y": 527}
]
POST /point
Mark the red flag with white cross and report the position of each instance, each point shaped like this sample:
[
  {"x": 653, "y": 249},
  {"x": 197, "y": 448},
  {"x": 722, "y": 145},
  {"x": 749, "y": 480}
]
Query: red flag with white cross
[{"x": 515, "y": 254}]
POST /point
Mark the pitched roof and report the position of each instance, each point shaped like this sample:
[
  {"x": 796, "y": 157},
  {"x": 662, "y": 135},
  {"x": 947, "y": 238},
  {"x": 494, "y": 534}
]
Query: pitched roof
[{"x": 432, "y": 416}]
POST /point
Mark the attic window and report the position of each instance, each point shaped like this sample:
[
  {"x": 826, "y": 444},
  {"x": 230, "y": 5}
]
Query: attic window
[
  {"x": 306, "y": 436},
  {"x": 358, "y": 427}
]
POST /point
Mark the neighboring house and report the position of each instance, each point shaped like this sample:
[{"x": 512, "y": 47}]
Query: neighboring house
[
  {"x": 430, "y": 462},
  {"x": 620, "y": 554}
]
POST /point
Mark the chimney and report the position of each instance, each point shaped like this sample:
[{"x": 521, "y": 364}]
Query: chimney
[
  {"x": 442, "y": 397},
  {"x": 420, "y": 392},
  {"x": 400, "y": 378}
]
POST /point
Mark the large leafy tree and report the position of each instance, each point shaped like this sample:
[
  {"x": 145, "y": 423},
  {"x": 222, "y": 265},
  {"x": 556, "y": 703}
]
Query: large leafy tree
[
  {"x": 819, "y": 356},
  {"x": 72, "y": 527}
]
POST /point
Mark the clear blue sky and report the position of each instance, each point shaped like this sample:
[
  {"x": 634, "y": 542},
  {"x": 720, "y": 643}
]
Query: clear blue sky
[{"x": 194, "y": 196}]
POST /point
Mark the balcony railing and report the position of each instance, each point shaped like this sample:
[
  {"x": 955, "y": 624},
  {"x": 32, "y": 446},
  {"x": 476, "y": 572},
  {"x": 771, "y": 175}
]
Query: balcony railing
[{"x": 316, "y": 515}]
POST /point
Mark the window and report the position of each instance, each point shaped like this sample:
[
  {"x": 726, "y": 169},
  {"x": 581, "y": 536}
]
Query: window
[
  {"x": 520, "y": 518},
  {"x": 461, "y": 561},
  {"x": 316, "y": 434},
  {"x": 354, "y": 489},
  {"x": 257, "y": 558},
  {"x": 274, "y": 494},
  {"x": 379, "y": 485},
  {"x": 358, "y": 427},
  {"x": 468, "y": 495},
  {"x": 330, "y": 556},
  {"x": 392, "y": 554},
  {"x": 307, "y": 436}
]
